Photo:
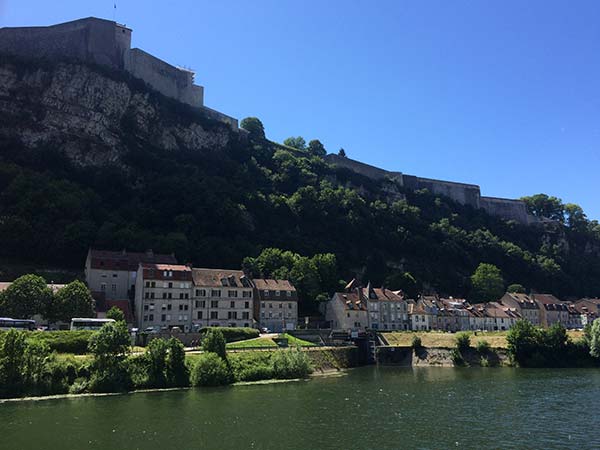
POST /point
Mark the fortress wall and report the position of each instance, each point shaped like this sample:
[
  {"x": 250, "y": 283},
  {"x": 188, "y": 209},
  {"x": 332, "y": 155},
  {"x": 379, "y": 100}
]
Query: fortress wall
[
  {"x": 362, "y": 168},
  {"x": 92, "y": 40},
  {"x": 466, "y": 194},
  {"x": 216, "y": 115},
  {"x": 507, "y": 209},
  {"x": 165, "y": 78}
]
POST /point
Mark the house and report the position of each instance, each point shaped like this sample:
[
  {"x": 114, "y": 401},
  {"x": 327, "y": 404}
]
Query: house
[
  {"x": 221, "y": 298},
  {"x": 162, "y": 296},
  {"x": 525, "y": 305},
  {"x": 347, "y": 310},
  {"x": 552, "y": 310},
  {"x": 421, "y": 318},
  {"x": 588, "y": 309},
  {"x": 387, "y": 310},
  {"x": 112, "y": 275},
  {"x": 500, "y": 317},
  {"x": 275, "y": 304},
  {"x": 453, "y": 314}
]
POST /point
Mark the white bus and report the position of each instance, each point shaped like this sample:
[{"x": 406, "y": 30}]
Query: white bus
[
  {"x": 86, "y": 323},
  {"x": 6, "y": 323}
]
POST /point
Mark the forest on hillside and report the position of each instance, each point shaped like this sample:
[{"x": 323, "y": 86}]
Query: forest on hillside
[{"x": 215, "y": 208}]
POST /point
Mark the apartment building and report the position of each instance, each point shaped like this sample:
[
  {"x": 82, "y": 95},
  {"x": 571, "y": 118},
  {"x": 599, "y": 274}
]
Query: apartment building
[
  {"x": 387, "y": 310},
  {"x": 163, "y": 296},
  {"x": 275, "y": 304},
  {"x": 525, "y": 305},
  {"x": 221, "y": 298},
  {"x": 347, "y": 311},
  {"x": 112, "y": 275},
  {"x": 552, "y": 310}
]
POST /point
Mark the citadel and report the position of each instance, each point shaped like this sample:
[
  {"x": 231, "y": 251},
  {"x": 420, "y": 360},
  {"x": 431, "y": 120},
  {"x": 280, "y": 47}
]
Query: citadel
[{"x": 108, "y": 43}]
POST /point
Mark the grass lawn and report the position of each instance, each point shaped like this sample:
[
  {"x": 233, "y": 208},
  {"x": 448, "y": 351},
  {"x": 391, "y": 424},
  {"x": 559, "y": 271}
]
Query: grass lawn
[
  {"x": 496, "y": 339},
  {"x": 295, "y": 342},
  {"x": 252, "y": 343}
]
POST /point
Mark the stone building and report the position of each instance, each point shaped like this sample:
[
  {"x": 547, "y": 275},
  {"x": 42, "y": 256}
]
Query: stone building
[
  {"x": 275, "y": 304},
  {"x": 162, "y": 296},
  {"x": 525, "y": 305},
  {"x": 222, "y": 298},
  {"x": 112, "y": 275},
  {"x": 552, "y": 310}
]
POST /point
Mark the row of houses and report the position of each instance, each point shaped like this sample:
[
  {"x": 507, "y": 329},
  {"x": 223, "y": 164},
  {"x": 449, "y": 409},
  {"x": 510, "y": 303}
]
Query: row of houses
[
  {"x": 162, "y": 294},
  {"x": 359, "y": 308}
]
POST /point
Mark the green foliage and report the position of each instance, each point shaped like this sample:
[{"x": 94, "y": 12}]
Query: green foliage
[
  {"x": 295, "y": 142},
  {"x": 254, "y": 127},
  {"x": 214, "y": 342},
  {"x": 252, "y": 366},
  {"x": 110, "y": 347},
  {"x": 116, "y": 314},
  {"x": 342, "y": 152},
  {"x": 26, "y": 296},
  {"x": 416, "y": 342},
  {"x": 156, "y": 355},
  {"x": 177, "y": 372},
  {"x": 595, "y": 339},
  {"x": 316, "y": 148},
  {"x": 483, "y": 347},
  {"x": 233, "y": 334},
  {"x": 488, "y": 284},
  {"x": 463, "y": 341},
  {"x": 75, "y": 342},
  {"x": 12, "y": 350},
  {"x": 211, "y": 370},
  {"x": 516, "y": 289},
  {"x": 291, "y": 363},
  {"x": 73, "y": 300},
  {"x": 457, "y": 357}
]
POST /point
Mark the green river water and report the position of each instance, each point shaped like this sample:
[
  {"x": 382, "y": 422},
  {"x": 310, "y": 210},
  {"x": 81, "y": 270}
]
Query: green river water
[{"x": 366, "y": 408}]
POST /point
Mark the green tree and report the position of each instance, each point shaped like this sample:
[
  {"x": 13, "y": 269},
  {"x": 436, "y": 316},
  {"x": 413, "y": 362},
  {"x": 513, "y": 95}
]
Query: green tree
[
  {"x": 316, "y": 148},
  {"x": 254, "y": 127},
  {"x": 516, "y": 289},
  {"x": 116, "y": 314},
  {"x": 542, "y": 205},
  {"x": 487, "y": 282},
  {"x": 214, "y": 342},
  {"x": 342, "y": 152},
  {"x": 26, "y": 296},
  {"x": 522, "y": 340},
  {"x": 295, "y": 142},
  {"x": 575, "y": 217},
  {"x": 12, "y": 351},
  {"x": 178, "y": 375},
  {"x": 211, "y": 370},
  {"x": 74, "y": 300},
  {"x": 595, "y": 339},
  {"x": 110, "y": 347},
  {"x": 156, "y": 355}
]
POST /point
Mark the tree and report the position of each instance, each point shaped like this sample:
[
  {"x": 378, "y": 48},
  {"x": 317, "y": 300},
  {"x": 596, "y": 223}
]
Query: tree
[
  {"x": 542, "y": 205},
  {"x": 595, "y": 339},
  {"x": 74, "y": 300},
  {"x": 26, "y": 296},
  {"x": 487, "y": 282},
  {"x": 214, "y": 342},
  {"x": 342, "y": 153},
  {"x": 12, "y": 350},
  {"x": 116, "y": 314},
  {"x": 522, "y": 340},
  {"x": 575, "y": 217},
  {"x": 316, "y": 148},
  {"x": 110, "y": 347},
  {"x": 210, "y": 370},
  {"x": 516, "y": 289},
  {"x": 178, "y": 375},
  {"x": 254, "y": 127},
  {"x": 295, "y": 142},
  {"x": 156, "y": 355}
]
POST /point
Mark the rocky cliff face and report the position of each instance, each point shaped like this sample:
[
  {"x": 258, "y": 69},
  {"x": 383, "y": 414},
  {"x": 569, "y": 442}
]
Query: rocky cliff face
[{"x": 93, "y": 115}]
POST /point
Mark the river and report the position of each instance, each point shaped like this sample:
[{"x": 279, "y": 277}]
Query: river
[{"x": 366, "y": 408}]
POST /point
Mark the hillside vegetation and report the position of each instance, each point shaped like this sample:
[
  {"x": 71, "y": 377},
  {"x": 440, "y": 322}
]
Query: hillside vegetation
[{"x": 233, "y": 196}]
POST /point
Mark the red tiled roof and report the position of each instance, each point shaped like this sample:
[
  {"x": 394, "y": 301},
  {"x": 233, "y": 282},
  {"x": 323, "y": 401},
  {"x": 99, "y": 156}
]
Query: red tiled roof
[
  {"x": 174, "y": 272},
  {"x": 220, "y": 278},
  {"x": 269, "y": 284}
]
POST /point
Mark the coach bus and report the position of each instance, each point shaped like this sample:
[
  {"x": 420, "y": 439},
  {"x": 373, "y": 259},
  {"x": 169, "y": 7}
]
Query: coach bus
[
  {"x": 6, "y": 323},
  {"x": 83, "y": 323}
]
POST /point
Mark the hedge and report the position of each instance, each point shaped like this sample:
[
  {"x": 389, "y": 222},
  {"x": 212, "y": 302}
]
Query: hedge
[
  {"x": 233, "y": 334},
  {"x": 63, "y": 341}
]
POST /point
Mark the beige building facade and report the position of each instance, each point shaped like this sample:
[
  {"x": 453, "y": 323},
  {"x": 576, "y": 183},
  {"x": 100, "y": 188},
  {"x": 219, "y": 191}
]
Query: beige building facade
[{"x": 275, "y": 304}]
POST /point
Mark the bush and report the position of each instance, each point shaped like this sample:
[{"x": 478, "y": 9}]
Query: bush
[
  {"x": 156, "y": 355},
  {"x": 63, "y": 341},
  {"x": 178, "y": 374},
  {"x": 211, "y": 370},
  {"x": 463, "y": 341},
  {"x": 292, "y": 363},
  {"x": 110, "y": 346},
  {"x": 251, "y": 366},
  {"x": 457, "y": 357},
  {"x": 483, "y": 347},
  {"x": 233, "y": 334},
  {"x": 416, "y": 342},
  {"x": 214, "y": 342},
  {"x": 116, "y": 314}
]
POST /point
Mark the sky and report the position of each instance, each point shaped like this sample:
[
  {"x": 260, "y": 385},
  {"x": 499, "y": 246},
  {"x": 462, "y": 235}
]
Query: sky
[{"x": 504, "y": 94}]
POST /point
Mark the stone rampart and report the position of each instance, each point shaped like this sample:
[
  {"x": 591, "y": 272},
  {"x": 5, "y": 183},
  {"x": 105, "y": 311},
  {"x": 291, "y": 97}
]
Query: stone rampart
[
  {"x": 508, "y": 209},
  {"x": 362, "y": 168}
]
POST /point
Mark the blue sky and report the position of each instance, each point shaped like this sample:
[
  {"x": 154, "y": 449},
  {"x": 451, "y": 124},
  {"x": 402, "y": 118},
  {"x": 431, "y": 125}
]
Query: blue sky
[{"x": 503, "y": 94}]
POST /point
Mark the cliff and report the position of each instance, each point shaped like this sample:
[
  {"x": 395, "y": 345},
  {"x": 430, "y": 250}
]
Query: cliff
[{"x": 89, "y": 113}]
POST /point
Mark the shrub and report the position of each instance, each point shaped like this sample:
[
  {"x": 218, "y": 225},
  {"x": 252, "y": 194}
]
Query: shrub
[
  {"x": 416, "y": 342},
  {"x": 463, "y": 341},
  {"x": 63, "y": 341},
  {"x": 178, "y": 374},
  {"x": 211, "y": 370},
  {"x": 594, "y": 339},
  {"x": 214, "y": 342},
  {"x": 483, "y": 347},
  {"x": 292, "y": 363},
  {"x": 233, "y": 334},
  {"x": 110, "y": 346},
  {"x": 457, "y": 357},
  {"x": 12, "y": 350},
  {"x": 116, "y": 314},
  {"x": 156, "y": 355}
]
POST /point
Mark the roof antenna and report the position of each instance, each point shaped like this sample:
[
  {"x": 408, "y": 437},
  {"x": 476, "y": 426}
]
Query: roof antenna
[{"x": 114, "y": 11}]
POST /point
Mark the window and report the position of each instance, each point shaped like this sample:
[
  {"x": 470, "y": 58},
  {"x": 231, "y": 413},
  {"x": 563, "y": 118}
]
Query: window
[
  {"x": 270, "y": 305},
  {"x": 164, "y": 295},
  {"x": 187, "y": 295},
  {"x": 277, "y": 293},
  {"x": 270, "y": 314},
  {"x": 182, "y": 285},
  {"x": 147, "y": 295},
  {"x": 151, "y": 317},
  {"x": 247, "y": 294},
  {"x": 262, "y": 314},
  {"x": 185, "y": 318},
  {"x": 153, "y": 284},
  {"x": 164, "y": 306},
  {"x": 169, "y": 295},
  {"x": 262, "y": 305},
  {"x": 180, "y": 318},
  {"x": 163, "y": 317},
  {"x": 232, "y": 315},
  {"x": 147, "y": 284},
  {"x": 289, "y": 315},
  {"x": 169, "y": 307},
  {"x": 199, "y": 314},
  {"x": 180, "y": 307},
  {"x": 151, "y": 294},
  {"x": 266, "y": 292},
  {"x": 214, "y": 315},
  {"x": 288, "y": 293},
  {"x": 145, "y": 318},
  {"x": 246, "y": 305},
  {"x": 200, "y": 303},
  {"x": 215, "y": 293},
  {"x": 151, "y": 306},
  {"x": 232, "y": 304},
  {"x": 145, "y": 307},
  {"x": 214, "y": 303},
  {"x": 280, "y": 305},
  {"x": 103, "y": 287},
  {"x": 232, "y": 294},
  {"x": 289, "y": 306},
  {"x": 170, "y": 285},
  {"x": 165, "y": 273},
  {"x": 200, "y": 292},
  {"x": 168, "y": 316},
  {"x": 181, "y": 295},
  {"x": 170, "y": 273}
]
